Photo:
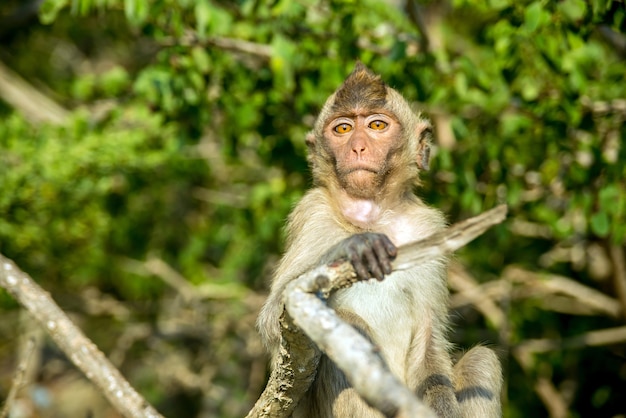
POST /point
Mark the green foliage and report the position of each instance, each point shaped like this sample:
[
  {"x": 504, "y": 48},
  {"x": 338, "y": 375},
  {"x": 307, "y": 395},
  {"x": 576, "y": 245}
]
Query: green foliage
[{"x": 186, "y": 144}]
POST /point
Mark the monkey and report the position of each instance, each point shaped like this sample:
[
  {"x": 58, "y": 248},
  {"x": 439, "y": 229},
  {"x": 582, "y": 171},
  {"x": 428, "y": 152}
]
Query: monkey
[{"x": 366, "y": 151}]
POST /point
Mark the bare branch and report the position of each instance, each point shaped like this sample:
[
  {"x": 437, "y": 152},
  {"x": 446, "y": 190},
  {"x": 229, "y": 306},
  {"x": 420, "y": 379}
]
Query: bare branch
[
  {"x": 239, "y": 45},
  {"x": 415, "y": 14},
  {"x": 592, "y": 298},
  {"x": 619, "y": 275},
  {"x": 191, "y": 38},
  {"x": 554, "y": 400},
  {"x": 615, "y": 39},
  {"x": 18, "y": 378},
  {"x": 449, "y": 240},
  {"x": 189, "y": 292},
  {"x": 294, "y": 370},
  {"x": 493, "y": 290},
  {"x": 350, "y": 350},
  {"x": 78, "y": 348},
  {"x": 30, "y": 102},
  {"x": 461, "y": 280},
  {"x": 589, "y": 339},
  {"x": 548, "y": 393}
]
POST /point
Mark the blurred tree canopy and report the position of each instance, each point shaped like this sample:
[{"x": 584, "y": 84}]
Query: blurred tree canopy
[{"x": 151, "y": 150}]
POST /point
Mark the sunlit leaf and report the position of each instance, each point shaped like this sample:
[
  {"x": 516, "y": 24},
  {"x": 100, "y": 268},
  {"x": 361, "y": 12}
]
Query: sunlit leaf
[
  {"x": 49, "y": 10},
  {"x": 600, "y": 224}
]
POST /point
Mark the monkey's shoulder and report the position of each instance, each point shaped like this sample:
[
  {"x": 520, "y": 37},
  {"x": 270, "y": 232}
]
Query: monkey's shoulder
[{"x": 314, "y": 219}]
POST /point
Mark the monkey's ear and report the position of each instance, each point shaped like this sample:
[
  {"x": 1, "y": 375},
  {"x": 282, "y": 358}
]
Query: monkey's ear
[
  {"x": 424, "y": 133},
  {"x": 310, "y": 141},
  {"x": 423, "y": 157}
]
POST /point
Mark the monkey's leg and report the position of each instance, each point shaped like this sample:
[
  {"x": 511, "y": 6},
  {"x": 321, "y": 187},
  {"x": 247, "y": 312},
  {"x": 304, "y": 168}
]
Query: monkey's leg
[
  {"x": 478, "y": 381},
  {"x": 435, "y": 385}
]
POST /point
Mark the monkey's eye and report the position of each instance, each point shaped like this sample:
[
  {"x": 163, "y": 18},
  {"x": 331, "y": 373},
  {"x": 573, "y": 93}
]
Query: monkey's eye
[
  {"x": 343, "y": 128},
  {"x": 378, "y": 125}
]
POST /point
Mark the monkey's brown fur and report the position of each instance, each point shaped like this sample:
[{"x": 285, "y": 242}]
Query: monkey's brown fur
[{"x": 364, "y": 181}]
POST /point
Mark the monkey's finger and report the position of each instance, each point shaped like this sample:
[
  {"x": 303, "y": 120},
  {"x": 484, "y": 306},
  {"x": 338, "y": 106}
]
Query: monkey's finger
[
  {"x": 374, "y": 264},
  {"x": 382, "y": 255},
  {"x": 392, "y": 250},
  {"x": 359, "y": 267}
]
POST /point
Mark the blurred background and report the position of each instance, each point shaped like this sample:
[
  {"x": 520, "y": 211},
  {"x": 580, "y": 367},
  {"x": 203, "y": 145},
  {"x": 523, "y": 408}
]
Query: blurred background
[{"x": 151, "y": 150}]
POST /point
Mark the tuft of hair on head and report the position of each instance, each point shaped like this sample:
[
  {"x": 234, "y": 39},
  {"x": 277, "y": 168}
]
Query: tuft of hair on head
[{"x": 362, "y": 89}]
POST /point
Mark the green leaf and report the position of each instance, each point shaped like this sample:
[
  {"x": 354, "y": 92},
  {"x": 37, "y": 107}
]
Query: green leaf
[
  {"x": 114, "y": 81},
  {"x": 281, "y": 62},
  {"x": 600, "y": 224},
  {"x": 532, "y": 16},
  {"x": 202, "y": 12},
  {"x": 50, "y": 9},
  {"x": 136, "y": 11},
  {"x": 201, "y": 59},
  {"x": 573, "y": 10}
]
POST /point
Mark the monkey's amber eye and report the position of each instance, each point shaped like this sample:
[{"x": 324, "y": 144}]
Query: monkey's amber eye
[
  {"x": 378, "y": 125},
  {"x": 343, "y": 128}
]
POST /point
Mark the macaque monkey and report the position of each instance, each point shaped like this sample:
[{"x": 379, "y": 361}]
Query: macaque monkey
[{"x": 366, "y": 150}]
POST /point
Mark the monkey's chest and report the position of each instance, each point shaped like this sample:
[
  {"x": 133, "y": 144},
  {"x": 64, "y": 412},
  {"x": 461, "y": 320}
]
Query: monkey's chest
[
  {"x": 395, "y": 310},
  {"x": 400, "y": 297},
  {"x": 400, "y": 229}
]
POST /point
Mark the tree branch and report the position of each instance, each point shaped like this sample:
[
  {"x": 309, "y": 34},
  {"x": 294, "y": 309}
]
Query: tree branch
[
  {"x": 449, "y": 240},
  {"x": 18, "y": 378},
  {"x": 78, "y": 348},
  {"x": 588, "y": 339},
  {"x": 619, "y": 275},
  {"x": 352, "y": 352},
  {"x": 294, "y": 369},
  {"x": 190, "y": 38},
  {"x": 30, "y": 102}
]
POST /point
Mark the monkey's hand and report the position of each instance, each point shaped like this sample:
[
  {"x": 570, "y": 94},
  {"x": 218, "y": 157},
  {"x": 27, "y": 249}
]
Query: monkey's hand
[{"x": 370, "y": 254}]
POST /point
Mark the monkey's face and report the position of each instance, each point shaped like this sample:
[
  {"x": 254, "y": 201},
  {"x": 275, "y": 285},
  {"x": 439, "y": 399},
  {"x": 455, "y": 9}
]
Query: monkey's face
[{"x": 361, "y": 144}]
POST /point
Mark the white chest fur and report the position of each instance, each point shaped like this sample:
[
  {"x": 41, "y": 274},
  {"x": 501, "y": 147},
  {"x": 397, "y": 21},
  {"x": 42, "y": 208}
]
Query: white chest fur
[{"x": 400, "y": 228}]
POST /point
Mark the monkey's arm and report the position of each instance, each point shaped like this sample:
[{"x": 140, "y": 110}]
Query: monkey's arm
[{"x": 310, "y": 235}]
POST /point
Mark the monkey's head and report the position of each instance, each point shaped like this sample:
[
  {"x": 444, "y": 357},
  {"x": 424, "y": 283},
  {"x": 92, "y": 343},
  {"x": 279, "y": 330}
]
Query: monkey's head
[{"x": 367, "y": 140}]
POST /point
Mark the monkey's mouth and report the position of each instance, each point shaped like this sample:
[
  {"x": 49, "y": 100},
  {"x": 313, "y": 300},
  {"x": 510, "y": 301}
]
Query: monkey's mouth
[
  {"x": 359, "y": 169},
  {"x": 353, "y": 168}
]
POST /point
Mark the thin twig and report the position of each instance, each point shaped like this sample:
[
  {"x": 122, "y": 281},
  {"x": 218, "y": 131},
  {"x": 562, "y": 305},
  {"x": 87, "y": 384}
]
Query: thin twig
[
  {"x": 415, "y": 14},
  {"x": 449, "y": 240},
  {"x": 231, "y": 44},
  {"x": 552, "y": 399},
  {"x": 189, "y": 292},
  {"x": 589, "y": 339},
  {"x": 18, "y": 378},
  {"x": 615, "y": 39},
  {"x": 594, "y": 299},
  {"x": 30, "y": 102},
  {"x": 619, "y": 274},
  {"x": 461, "y": 280}
]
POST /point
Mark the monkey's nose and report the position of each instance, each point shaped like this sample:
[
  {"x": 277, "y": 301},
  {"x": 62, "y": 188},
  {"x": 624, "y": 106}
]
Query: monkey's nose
[
  {"x": 358, "y": 150},
  {"x": 358, "y": 144}
]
